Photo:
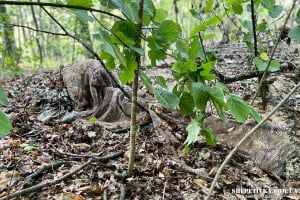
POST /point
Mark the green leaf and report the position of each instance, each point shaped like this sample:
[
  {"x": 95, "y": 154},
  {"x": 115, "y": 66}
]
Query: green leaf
[
  {"x": 209, "y": 137},
  {"x": 268, "y": 4},
  {"x": 160, "y": 15},
  {"x": 146, "y": 80},
  {"x": 166, "y": 98},
  {"x": 294, "y": 33},
  {"x": 127, "y": 74},
  {"x": 261, "y": 27},
  {"x": 200, "y": 94},
  {"x": 209, "y": 6},
  {"x": 186, "y": 103},
  {"x": 298, "y": 16},
  {"x": 83, "y": 15},
  {"x": 5, "y": 125},
  {"x": 194, "y": 48},
  {"x": 237, "y": 8},
  {"x": 86, "y": 3},
  {"x": 238, "y": 108},
  {"x": 193, "y": 130},
  {"x": 148, "y": 11},
  {"x": 195, "y": 14},
  {"x": 119, "y": 55},
  {"x": 260, "y": 64},
  {"x": 274, "y": 66},
  {"x": 168, "y": 30},
  {"x": 182, "y": 49},
  {"x": 92, "y": 119},
  {"x": 198, "y": 28},
  {"x": 254, "y": 114},
  {"x": 161, "y": 81},
  {"x": 3, "y": 97},
  {"x": 125, "y": 31},
  {"x": 215, "y": 20},
  {"x": 275, "y": 12}
]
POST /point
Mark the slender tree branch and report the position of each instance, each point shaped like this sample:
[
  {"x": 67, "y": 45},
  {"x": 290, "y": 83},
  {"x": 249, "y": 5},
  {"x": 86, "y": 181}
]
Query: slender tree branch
[
  {"x": 34, "y": 29},
  {"x": 237, "y": 146},
  {"x": 133, "y": 128},
  {"x": 26, "y": 3}
]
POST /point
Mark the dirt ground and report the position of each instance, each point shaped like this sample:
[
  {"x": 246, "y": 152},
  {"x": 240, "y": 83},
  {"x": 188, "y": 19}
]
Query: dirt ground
[{"x": 36, "y": 153}]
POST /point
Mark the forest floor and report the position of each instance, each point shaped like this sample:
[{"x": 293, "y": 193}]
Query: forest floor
[{"x": 38, "y": 153}]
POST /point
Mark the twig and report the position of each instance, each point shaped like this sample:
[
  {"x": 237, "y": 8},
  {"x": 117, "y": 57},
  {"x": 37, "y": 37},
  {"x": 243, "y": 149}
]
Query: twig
[
  {"x": 58, "y": 6},
  {"x": 237, "y": 146},
  {"x": 76, "y": 155},
  {"x": 30, "y": 179},
  {"x": 164, "y": 191},
  {"x": 47, "y": 183}
]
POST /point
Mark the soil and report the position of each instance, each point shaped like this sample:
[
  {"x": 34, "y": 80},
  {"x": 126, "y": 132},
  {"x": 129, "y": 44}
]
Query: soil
[{"x": 162, "y": 169}]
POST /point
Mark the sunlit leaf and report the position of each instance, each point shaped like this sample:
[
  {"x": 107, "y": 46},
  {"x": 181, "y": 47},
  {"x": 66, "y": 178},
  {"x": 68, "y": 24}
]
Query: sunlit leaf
[
  {"x": 193, "y": 130},
  {"x": 160, "y": 15},
  {"x": 209, "y": 6},
  {"x": 264, "y": 56},
  {"x": 169, "y": 30},
  {"x": 86, "y": 3}
]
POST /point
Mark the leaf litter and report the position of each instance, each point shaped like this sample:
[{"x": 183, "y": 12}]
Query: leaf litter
[{"x": 162, "y": 170}]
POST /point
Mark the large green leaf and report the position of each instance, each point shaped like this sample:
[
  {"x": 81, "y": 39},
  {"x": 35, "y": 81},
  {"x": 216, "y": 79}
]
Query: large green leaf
[
  {"x": 166, "y": 98},
  {"x": 86, "y": 3},
  {"x": 238, "y": 108},
  {"x": 193, "y": 129},
  {"x": 3, "y": 97},
  {"x": 5, "y": 125},
  {"x": 160, "y": 15},
  {"x": 128, "y": 70},
  {"x": 200, "y": 93},
  {"x": 294, "y": 34},
  {"x": 168, "y": 30},
  {"x": 275, "y": 12},
  {"x": 125, "y": 31},
  {"x": 186, "y": 103},
  {"x": 182, "y": 48}
]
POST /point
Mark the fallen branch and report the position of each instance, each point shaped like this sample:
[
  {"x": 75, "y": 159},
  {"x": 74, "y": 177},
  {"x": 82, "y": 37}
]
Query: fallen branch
[
  {"x": 237, "y": 146},
  {"x": 47, "y": 183},
  {"x": 53, "y": 182},
  {"x": 30, "y": 179}
]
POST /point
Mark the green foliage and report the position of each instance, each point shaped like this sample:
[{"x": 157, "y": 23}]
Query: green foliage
[
  {"x": 295, "y": 32},
  {"x": 86, "y": 3},
  {"x": 240, "y": 110},
  {"x": 5, "y": 124}
]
